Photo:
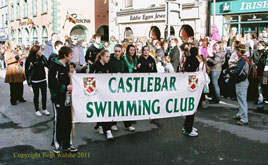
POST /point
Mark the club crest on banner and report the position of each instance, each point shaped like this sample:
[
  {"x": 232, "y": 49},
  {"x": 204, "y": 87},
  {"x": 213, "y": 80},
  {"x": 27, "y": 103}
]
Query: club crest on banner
[
  {"x": 193, "y": 82},
  {"x": 89, "y": 86}
]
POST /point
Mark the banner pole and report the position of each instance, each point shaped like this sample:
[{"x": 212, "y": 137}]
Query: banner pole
[{"x": 72, "y": 109}]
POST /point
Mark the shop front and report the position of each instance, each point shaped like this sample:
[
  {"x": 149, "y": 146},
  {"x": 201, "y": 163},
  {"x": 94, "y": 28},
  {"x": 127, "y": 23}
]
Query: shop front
[
  {"x": 149, "y": 23},
  {"x": 248, "y": 16}
]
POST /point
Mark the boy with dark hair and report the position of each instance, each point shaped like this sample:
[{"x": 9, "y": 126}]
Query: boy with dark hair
[
  {"x": 58, "y": 45},
  {"x": 94, "y": 49},
  {"x": 60, "y": 88}
]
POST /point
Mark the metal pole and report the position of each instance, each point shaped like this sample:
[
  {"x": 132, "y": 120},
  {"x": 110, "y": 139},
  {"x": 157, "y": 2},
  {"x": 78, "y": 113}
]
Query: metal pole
[
  {"x": 214, "y": 11},
  {"x": 168, "y": 23}
]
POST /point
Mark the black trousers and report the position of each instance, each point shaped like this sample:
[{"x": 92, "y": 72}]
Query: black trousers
[
  {"x": 189, "y": 122},
  {"x": 43, "y": 87},
  {"x": 62, "y": 125},
  {"x": 105, "y": 126},
  {"x": 126, "y": 123},
  {"x": 16, "y": 91}
]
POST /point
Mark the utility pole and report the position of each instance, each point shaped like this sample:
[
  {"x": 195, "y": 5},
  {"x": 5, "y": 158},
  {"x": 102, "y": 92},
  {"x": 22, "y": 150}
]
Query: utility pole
[{"x": 214, "y": 11}]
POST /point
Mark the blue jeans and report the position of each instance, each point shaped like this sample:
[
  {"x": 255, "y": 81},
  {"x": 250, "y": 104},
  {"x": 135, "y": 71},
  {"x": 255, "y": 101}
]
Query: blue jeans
[
  {"x": 215, "y": 78},
  {"x": 262, "y": 90},
  {"x": 241, "y": 93}
]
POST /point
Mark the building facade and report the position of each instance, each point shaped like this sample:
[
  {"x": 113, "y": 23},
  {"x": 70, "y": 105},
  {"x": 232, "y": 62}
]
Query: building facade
[
  {"x": 3, "y": 20},
  {"x": 33, "y": 21},
  {"x": 248, "y": 16},
  {"x": 139, "y": 18}
]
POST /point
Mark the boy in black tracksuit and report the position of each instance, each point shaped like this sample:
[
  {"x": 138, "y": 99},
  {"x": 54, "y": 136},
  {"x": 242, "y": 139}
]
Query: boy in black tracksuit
[
  {"x": 59, "y": 85},
  {"x": 146, "y": 63}
]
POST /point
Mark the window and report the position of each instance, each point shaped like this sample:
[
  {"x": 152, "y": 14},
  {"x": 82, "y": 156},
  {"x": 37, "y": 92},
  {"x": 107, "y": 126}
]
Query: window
[
  {"x": 25, "y": 9},
  {"x": 19, "y": 37},
  {"x": 27, "y": 37},
  {"x": 44, "y": 6},
  {"x": 3, "y": 21},
  {"x": 34, "y": 5},
  {"x": 35, "y": 36},
  {"x": 6, "y": 20},
  {"x": 128, "y": 3},
  {"x": 12, "y": 34},
  {"x": 18, "y": 10},
  {"x": 44, "y": 36},
  {"x": 12, "y": 12}
]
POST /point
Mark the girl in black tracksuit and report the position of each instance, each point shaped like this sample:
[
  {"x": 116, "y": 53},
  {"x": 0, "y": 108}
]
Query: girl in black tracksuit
[
  {"x": 119, "y": 65},
  {"x": 101, "y": 66},
  {"x": 36, "y": 76}
]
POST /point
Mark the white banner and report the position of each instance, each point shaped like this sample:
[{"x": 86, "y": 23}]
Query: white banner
[{"x": 139, "y": 96}]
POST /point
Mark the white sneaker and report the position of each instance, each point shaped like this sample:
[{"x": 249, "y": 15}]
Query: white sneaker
[
  {"x": 114, "y": 128},
  {"x": 109, "y": 134},
  {"x": 37, "y": 113},
  {"x": 100, "y": 130},
  {"x": 191, "y": 134},
  {"x": 45, "y": 112},
  {"x": 131, "y": 128},
  {"x": 195, "y": 129}
]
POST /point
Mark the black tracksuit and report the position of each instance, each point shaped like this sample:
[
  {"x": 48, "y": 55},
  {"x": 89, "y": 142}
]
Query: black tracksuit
[
  {"x": 191, "y": 65},
  {"x": 91, "y": 53},
  {"x": 146, "y": 65},
  {"x": 36, "y": 76},
  {"x": 58, "y": 80},
  {"x": 97, "y": 67},
  {"x": 119, "y": 66}
]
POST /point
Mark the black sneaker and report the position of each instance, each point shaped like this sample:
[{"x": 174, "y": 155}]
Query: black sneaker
[
  {"x": 22, "y": 100},
  {"x": 259, "y": 110},
  {"x": 236, "y": 118}
]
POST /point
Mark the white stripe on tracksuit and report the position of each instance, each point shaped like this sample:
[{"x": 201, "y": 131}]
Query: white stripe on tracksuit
[{"x": 56, "y": 144}]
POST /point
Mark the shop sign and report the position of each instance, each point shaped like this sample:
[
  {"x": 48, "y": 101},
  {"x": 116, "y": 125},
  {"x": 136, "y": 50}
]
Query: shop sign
[
  {"x": 241, "y": 6},
  {"x": 146, "y": 17},
  {"x": 24, "y": 23},
  {"x": 82, "y": 20}
]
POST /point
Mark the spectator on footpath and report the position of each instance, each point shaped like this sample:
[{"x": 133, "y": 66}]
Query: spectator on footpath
[
  {"x": 113, "y": 42},
  {"x": 191, "y": 65},
  {"x": 78, "y": 53},
  {"x": 216, "y": 63},
  {"x": 36, "y": 77},
  {"x": 14, "y": 73},
  {"x": 240, "y": 76},
  {"x": 101, "y": 66},
  {"x": 55, "y": 54},
  {"x": 94, "y": 49},
  {"x": 262, "y": 70},
  {"x": 174, "y": 53},
  {"x": 60, "y": 88},
  {"x": 119, "y": 65},
  {"x": 2, "y": 58},
  {"x": 49, "y": 48}
]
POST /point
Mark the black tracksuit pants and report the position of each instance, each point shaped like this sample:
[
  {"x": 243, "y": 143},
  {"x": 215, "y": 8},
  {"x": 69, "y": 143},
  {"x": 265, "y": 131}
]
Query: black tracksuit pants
[
  {"x": 16, "y": 92},
  {"x": 62, "y": 125},
  {"x": 43, "y": 87},
  {"x": 188, "y": 123}
]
